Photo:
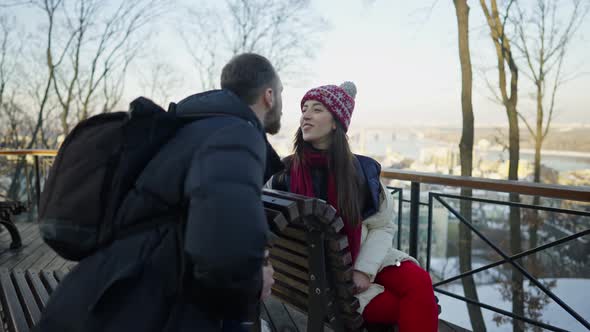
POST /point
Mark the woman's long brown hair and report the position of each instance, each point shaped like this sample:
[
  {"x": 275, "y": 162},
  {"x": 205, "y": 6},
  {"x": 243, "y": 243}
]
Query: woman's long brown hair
[{"x": 342, "y": 165}]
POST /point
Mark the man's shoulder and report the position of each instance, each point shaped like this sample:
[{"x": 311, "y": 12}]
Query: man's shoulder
[
  {"x": 215, "y": 122},
  {"x": 222, "y": 125}
]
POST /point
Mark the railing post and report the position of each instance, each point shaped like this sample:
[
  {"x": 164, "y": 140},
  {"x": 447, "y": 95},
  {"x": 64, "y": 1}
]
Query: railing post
[
  {"x": 429, "y": 241},
  {"x": 400, "y": 204},
  {"x": 414, "y": 218},
  {"x": 37, "y": 183}
]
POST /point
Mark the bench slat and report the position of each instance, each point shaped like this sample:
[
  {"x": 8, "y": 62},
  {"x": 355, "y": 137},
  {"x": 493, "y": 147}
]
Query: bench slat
[
  {"x": 275, "y": 220},
  {"x": 336, "y": 260},
  {"x": 49, "y": 281},
  {"x": 329, "y": 213},
  {"x": 28, "y": 302},
  {"x": 294, "y": 259},
  {"x": 294, "y": 246},
  {"x": 337, "y": 224},
  {"x": 290, "y": 269},
  {"x": 338, "y": 243},
  {"x": 39, "y": 290},
  {"x": 294, "y": 233},
  {"x": 12, "y": 309},
  {"x": 287, "y": 280}
]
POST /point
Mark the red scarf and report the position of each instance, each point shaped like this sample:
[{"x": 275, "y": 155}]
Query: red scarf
[{"x": 301, "y": 183}]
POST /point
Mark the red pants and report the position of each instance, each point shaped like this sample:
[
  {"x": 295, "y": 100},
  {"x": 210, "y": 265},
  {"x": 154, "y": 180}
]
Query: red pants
[{"x": 408, "y": 300}]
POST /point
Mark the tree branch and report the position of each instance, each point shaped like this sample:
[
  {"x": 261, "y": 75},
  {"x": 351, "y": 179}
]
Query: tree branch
[{"x": 531, "y": 131}]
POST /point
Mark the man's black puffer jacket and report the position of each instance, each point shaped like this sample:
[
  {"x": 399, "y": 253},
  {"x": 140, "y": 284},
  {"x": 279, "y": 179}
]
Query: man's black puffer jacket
[{"x": 211, "y": 174}]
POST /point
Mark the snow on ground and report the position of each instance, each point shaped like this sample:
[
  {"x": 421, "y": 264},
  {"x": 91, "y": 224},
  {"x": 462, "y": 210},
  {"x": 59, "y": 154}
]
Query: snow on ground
[{"x": 574, "y": 292}]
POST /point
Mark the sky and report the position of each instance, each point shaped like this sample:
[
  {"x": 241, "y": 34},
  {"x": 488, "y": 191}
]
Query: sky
[
  {"x": 404, "y": 60},
  {"x": 403, "y": 57}
]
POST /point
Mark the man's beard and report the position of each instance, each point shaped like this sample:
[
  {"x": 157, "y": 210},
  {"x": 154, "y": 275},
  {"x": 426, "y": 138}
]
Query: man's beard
[{"x": 272, "y": 120}]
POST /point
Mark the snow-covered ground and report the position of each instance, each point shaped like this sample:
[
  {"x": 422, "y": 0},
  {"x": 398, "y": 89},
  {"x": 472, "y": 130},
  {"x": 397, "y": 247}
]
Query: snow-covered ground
[{"x": 574, "y": 292}]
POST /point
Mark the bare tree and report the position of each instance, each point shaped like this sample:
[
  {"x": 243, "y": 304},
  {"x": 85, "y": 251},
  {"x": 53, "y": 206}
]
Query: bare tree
[
  {"x": 13, "y": 119},
  {"x": 100, "y": 43},
  {"x": 509, "y": 98},
  {"x": 15, "y": 113},
  {"x": 466, "y": 151},
  {"x": 8, "y": 125},
  {"x": 543, "y": 40},
  {"x": 283, "y": 30},
  {"x": 75, "y": 66},
  {"x": 6, "y": 69},
  {"x": 159, "y": 81},
  {"x": 50, "y": 7}
]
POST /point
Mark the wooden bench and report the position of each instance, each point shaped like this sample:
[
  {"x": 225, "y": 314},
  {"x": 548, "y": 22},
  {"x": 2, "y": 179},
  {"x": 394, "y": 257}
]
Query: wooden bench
[
  {"x": 23, "y": 295},
  {"x": 7, "y": 210},
  {"x": 312, "y": 261}
]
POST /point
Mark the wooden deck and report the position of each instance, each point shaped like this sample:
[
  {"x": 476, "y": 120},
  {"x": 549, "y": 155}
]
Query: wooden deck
[
  {"x": 36, "y": 255},
  {"x": 281, "y": 317}
]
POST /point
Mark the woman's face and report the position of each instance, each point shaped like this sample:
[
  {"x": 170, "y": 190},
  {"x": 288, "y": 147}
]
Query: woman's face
[{"x": 317, "y": 124}]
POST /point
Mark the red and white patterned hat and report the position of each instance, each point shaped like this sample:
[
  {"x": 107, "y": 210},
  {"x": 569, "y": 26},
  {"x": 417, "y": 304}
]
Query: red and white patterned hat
[{"x": 339, "y": 100}]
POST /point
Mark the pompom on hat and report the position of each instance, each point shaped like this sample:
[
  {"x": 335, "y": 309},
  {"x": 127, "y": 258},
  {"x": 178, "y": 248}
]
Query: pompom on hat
[{"x": 339, "y": 100}]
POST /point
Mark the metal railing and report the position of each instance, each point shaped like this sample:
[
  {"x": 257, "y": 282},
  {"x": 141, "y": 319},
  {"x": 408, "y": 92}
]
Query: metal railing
[
  {"x": 569, "y": 193},
  {"x": 416, "y": 179},
  {"x": 38, "y": 156}
]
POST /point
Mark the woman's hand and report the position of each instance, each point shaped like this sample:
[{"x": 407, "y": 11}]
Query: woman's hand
[
  {"x": 267, "y": 277},
  {"x": 361, "y": 281}
]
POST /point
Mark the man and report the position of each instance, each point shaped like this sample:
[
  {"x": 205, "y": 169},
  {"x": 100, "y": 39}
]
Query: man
[
  {"x": 198, "y": 265},
  {"x": 231, "y": 80}
]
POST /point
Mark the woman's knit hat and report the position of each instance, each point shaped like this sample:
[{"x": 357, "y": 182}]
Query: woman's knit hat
[{"x": 339, "y": 100}]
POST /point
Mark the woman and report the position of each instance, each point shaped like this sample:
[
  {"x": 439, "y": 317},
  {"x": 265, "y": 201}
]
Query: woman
[{"x": 391, "y": 287}]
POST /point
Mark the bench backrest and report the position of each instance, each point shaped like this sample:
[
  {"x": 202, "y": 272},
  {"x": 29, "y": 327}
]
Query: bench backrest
[{"x": 312, "y": 261}]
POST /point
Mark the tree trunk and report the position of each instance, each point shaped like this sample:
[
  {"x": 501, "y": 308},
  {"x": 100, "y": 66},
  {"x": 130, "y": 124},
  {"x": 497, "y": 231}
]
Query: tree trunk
[
  {"x": 515, "y": 233},
  {"x": 535, "y": 221},
  {"x": 466, "y": 156},
  {"x": 64, "y": 122}
]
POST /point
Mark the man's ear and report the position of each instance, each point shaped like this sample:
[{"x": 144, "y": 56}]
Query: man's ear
[{"x": 268, "y": 97}]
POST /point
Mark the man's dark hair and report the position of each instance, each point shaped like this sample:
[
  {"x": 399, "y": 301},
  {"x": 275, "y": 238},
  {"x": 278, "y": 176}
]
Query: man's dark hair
[{"x": 246, "y": 75}]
